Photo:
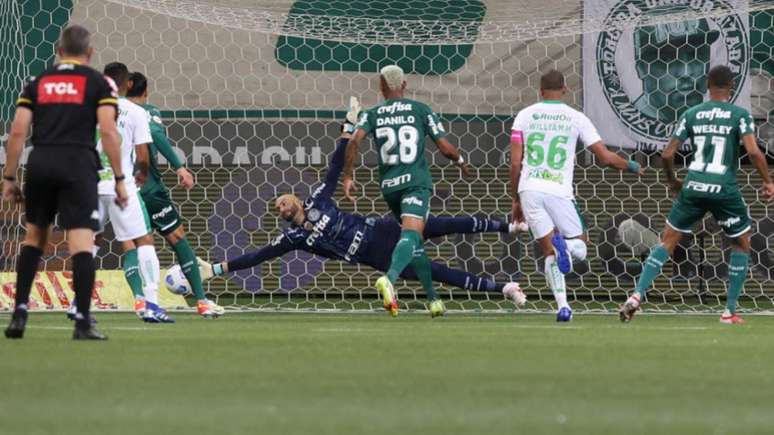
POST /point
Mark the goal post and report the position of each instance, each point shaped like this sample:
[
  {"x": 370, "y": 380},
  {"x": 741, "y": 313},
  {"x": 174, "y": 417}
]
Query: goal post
[{"x": 252, "y": 95}]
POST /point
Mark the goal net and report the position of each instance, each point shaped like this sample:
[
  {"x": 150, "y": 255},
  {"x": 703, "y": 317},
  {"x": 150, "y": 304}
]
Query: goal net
[{"x": 253, "y": 92}]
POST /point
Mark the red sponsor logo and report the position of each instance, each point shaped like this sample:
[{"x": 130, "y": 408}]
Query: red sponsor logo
[{"x": 62, "y": 89}]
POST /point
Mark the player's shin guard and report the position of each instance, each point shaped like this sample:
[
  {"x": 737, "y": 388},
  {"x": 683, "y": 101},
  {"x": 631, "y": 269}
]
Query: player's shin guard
[
  {"x": 132, "y": 273},
  {"x": 149, "y": 269},
  {"x": 555, "y": 280},
  {"x": 187, "y": 260},
  {"x": 29, "y": 257},
  {"x": 403, "y": 253},
  {"x": 83, "y": 282},
  {"x": 652, "y": 267},
  {"x": 737, "y": 275},
  {"x": 423, "y": 267}
]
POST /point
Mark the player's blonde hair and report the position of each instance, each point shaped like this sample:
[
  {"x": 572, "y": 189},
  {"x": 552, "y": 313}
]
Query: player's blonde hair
[
  {"x": 393, "y": 76},
  {"x": 291, "y": 198}
]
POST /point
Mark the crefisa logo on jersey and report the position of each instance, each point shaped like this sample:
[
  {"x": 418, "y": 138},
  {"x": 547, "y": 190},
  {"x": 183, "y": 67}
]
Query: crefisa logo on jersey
[{"x": 670, "y": 62}]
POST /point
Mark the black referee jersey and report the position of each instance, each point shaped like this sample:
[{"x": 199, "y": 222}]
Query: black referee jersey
[{"x": 62, "y": 168}]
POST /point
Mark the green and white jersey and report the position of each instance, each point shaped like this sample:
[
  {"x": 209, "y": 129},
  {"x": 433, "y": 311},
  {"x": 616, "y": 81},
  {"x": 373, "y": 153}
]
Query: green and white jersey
[
  {"x": 715, "y": 130},
  {"x": 549, "y": 131},
  {"x": 399, "y": 128},
  {"x": 133, "y": 127}
]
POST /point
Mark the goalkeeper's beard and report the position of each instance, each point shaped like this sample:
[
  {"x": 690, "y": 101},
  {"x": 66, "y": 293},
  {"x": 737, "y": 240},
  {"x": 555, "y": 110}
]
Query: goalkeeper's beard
[{"x": 291, "y": 214}]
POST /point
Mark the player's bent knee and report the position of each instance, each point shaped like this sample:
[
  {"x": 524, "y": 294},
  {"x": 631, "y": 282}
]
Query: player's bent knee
[
  {"x": 742, "y": 243},
  {"x": 36, "y": 236},
  {"x": 175, "y": 236},
  {"x": 144, "y": 240},
  {"x": 80, "y": 240}
]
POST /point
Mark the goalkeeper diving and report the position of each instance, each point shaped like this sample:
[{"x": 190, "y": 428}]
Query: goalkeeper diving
[{"x": 318, "y": 226}]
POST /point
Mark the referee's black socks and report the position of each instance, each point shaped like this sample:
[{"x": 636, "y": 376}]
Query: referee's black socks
[
  {"x": 83, "y": 282},
  {"x": 27, "y": 266}
]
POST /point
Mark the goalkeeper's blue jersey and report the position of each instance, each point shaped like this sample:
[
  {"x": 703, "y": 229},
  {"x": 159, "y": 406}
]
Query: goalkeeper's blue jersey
[
  {"x": 326, "y": 231},
  {"x": 329, "y": 232}
]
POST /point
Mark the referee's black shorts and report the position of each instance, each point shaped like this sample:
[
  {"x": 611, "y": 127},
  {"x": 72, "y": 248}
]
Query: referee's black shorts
[{"x": 62, "y": 179}]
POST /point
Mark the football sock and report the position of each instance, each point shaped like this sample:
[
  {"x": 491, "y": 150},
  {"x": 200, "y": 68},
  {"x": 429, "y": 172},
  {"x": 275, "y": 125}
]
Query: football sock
[
  {"x": 187, "y": 260},
  {"x": 652, "y": 267},
  {"x": 132, "y": 273},
  {"x": 149, "y": 269},
  {"x": 555, "y": 280},
  {"x": 458, "y": 278},
  {"x": 83, "y": 283},
  {"x": 422, "y": 266},
  {"x": 444, "y": 226},
  {"x": 737, "y": 275},
  {"x": 29, "y": 257},
  {"x": 403, "y": 253},
  {"x": 577, "y": 248}
]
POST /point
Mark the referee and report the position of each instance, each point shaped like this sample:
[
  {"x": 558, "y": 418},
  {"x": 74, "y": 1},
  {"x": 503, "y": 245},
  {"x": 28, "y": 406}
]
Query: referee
[{"x": 64, "y": 105}]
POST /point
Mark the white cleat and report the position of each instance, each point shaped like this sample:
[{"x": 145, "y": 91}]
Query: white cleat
[
  {"x": 629, "y": 308},
  {"x": 513, "y": 292},
  {"x": 205, "y": 269},
  {"x": 209, "y": 309}
]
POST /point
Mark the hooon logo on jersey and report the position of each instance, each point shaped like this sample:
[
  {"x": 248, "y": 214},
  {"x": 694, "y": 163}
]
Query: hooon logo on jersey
[{"x": 61, "y": 89}]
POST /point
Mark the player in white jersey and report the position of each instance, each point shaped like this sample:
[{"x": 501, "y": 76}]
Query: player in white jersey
[
  {"x": 131, "y": 225},
  {"x": 543, "y": 142}
]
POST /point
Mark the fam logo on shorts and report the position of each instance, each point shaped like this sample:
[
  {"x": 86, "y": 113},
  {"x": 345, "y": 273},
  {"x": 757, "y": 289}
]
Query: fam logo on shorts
[{"x": 670, "y": 59}]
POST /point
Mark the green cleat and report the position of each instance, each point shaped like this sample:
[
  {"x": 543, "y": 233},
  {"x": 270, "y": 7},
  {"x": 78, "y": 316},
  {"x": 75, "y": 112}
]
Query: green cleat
[
  {"x": 437, "y": 308},
  {"x": 384, "y": 287}
]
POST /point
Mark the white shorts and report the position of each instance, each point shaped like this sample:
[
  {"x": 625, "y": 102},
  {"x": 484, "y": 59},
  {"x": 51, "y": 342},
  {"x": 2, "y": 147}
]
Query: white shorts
[
  {"x": 544, "y": 212},
  {"x": 128, "y": 224}
]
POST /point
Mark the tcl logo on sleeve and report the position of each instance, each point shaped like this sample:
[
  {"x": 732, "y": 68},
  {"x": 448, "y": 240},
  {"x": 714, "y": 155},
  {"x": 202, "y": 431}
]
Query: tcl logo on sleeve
[{"x": 63, "y": 89}]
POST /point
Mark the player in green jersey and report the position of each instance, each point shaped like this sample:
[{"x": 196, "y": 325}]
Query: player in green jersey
[
  {"x": 165, "y": 218},
  {"x": 715, "y": 129},
  {"x": 399, "y": 126}
]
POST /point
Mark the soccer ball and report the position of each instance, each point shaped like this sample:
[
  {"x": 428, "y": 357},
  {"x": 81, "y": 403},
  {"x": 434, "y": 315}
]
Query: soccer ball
[{"x": 176, "y": 281}]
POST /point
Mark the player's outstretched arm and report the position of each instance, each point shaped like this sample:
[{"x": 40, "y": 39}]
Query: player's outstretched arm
[
  {"x": 185, "y": 178},
  {"x": 19, "y": 129},
  {"x": 759, "y": 161},
  {"x": 452, "y": 153},
  {"x": 349, "y": 162},
  {"x": 277, "y": 248},
  {"x": 613, "y": 160}
]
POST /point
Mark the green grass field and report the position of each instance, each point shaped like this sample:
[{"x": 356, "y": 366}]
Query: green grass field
[{"x": 370, "y": 374}]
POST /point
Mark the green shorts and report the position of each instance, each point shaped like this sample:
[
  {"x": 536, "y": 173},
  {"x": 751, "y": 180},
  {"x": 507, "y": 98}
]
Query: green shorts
[
  {"x": 413, "y": 202},
  {"x": 729, "y": 211},
  {"x": 163, "y": 213}
]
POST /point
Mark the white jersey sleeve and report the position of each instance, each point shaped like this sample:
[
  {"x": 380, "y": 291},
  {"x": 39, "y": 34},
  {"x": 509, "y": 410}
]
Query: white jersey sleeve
[
  {"x": 587, "y": 133},
  {"x": 141, "y": 125}
]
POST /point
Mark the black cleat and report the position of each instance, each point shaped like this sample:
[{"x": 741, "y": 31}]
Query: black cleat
[
  {"x": 18, "y": 322},
  {"x": 71, "y": 316},
  {"x": 88, "y": 334}
]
